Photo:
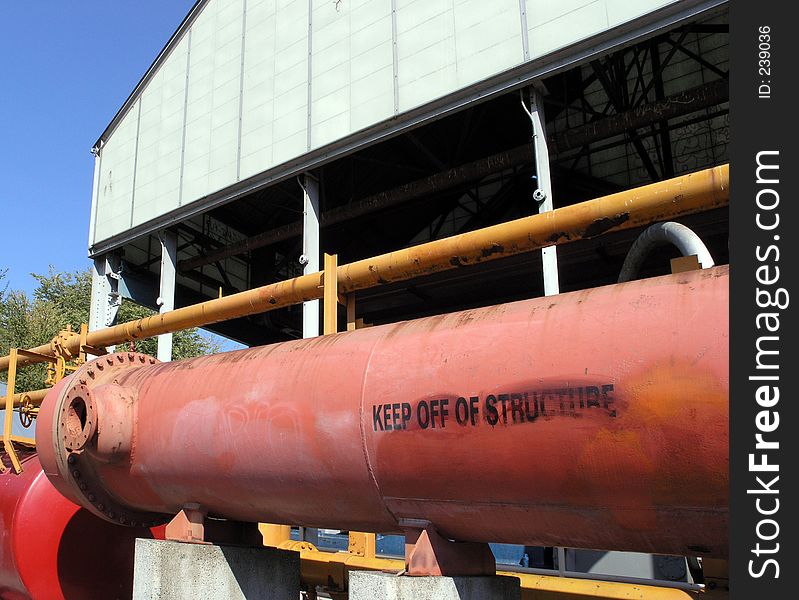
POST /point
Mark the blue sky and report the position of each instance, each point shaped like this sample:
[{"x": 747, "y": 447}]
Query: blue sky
[{"x": 65, "y": 69}]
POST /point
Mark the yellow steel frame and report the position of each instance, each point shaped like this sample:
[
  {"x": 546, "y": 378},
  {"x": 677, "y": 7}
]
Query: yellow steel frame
[
  {"x": 274, "y": 535},
  {"x": 8, "y": 438},
  {"x": 62, "y": 360},
  {"x": 330, "y": 294}
]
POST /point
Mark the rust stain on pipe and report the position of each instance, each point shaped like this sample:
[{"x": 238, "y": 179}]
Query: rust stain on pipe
[{"x": 594, "y": 419}]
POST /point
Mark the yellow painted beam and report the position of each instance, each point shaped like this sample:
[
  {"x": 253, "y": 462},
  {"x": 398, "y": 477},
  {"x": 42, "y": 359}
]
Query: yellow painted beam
[
  {"x": 332, "y": 568},
  {"x": 330, "y": 294}
]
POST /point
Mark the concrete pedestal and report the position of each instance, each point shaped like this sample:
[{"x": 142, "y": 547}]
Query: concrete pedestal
[
  {"x": 368, "y": 585},
  {"x": 176, "y": 571}
]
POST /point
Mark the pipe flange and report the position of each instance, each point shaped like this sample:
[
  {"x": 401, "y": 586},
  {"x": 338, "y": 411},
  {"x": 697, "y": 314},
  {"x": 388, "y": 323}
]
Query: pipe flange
[
  {"x": 77, "y": 417},
  {"x": 75, "y": 439},
  {"x": 85, "y": 481}
]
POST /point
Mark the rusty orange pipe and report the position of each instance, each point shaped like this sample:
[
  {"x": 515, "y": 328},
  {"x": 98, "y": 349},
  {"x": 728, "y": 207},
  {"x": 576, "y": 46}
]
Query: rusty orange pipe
[
  {"x": 594, "y": 419},
  {"x": 683, "y": 195}
]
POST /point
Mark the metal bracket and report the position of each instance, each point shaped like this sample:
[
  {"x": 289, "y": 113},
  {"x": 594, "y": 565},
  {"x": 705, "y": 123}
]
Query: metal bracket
[
  {"x": 273, "y": 534},
  {"x": 188, "y": 525},
  {"x": 429, "y": 553},
  {"x": 59, "y": 367},
  {"x": 352, "y": 322},
  {"x": 64, "y": 361},
  {"x": 362, "y": 544},
  {"x": 681, "y": 264},
  {"x": 191, "y": 526}
]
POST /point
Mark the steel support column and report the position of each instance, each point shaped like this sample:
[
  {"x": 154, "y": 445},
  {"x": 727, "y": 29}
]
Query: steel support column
[
  {"x": 166, "y": 289},
  {"x": 311, "y": 250},
  {"x": 105, "y": 298},
  {"x": 543, "y": 193}
]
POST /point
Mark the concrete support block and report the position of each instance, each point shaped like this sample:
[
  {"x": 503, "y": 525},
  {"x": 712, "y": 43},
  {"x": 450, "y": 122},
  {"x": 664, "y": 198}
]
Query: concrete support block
[
  {"x": 369, "y": 585},
  {"x": 167, "y": 570}
]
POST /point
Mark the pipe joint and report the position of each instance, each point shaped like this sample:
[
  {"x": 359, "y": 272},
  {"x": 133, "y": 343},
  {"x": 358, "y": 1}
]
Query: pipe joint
[{"x": 93, "y": 430}]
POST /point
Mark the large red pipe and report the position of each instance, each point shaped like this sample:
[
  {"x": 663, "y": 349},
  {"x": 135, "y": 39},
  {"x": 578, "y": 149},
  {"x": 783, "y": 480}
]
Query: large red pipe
[
  {"x": 51, "y": 549},
  {"x": 593, "y": 419}
]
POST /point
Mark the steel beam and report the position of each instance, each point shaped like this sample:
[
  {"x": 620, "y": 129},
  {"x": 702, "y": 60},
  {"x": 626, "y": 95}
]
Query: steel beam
[
  {"x": 619, "y": 106},
  {"x": 678, "y": 105},
  {"x": 311, "y": 249},
  {"x": 419, "y": 188},
  {"x": 543, "y": 193},
  {"x": 166, "y": 289},
  {"x": 666, "y": 155},
  {"x": 105, "y": 298}
]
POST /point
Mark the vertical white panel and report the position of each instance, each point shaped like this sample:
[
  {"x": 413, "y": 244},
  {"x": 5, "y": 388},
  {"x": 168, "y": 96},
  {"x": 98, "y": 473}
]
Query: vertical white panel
[
  {"x": 330, "y": 83},
  {"x": 160, "y": 139},
  {"x": 371, "y": 63},
  {"x": 554, "y": 25},
  {"x": 444, "y": 45},
  {"x": 116, "y": 178},
  {"x": 290, "y": 113},
  {"x": 621, "y": 11},
  {"x": 352, "y": 82},
  {"x": 95, "y": 195},
  {"x": 488, "y": 38},
  {"x": 426, "y": 53},
  {"x": 258, "y": 102},
  {"x": 212, "y": 108}
]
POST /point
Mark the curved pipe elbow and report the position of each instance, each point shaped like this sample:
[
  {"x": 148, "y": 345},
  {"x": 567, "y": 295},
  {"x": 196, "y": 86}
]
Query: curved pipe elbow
[{"x": 661, "y": 234}]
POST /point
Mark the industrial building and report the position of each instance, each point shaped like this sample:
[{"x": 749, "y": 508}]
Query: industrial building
[{"x": 508, "y": 159}]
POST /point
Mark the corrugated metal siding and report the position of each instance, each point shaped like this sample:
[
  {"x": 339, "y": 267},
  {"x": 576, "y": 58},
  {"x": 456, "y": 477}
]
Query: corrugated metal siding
[{"x": 247, "y": 88}]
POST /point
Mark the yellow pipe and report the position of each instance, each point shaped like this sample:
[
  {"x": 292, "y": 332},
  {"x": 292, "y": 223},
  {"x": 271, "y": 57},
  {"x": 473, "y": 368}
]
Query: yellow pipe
[
  {"x": 683, "y": 195},
  {"x": 332, "y": 569},
  {"x": 35, "y": 397}
]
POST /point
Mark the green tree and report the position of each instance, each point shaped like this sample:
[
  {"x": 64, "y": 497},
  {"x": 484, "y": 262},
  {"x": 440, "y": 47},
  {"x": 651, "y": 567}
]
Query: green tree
[{"x": 61, "y": 300}]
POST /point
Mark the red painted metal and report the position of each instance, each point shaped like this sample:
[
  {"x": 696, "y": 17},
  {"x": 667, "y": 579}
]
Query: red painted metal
[
  {"x": 593, "y": 419},
  {"x": 51, "y": 549}
]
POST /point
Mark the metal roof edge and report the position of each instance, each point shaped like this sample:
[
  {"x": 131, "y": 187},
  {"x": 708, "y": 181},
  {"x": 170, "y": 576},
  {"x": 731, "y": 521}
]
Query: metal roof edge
[{"x": 145, "y": 79}]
